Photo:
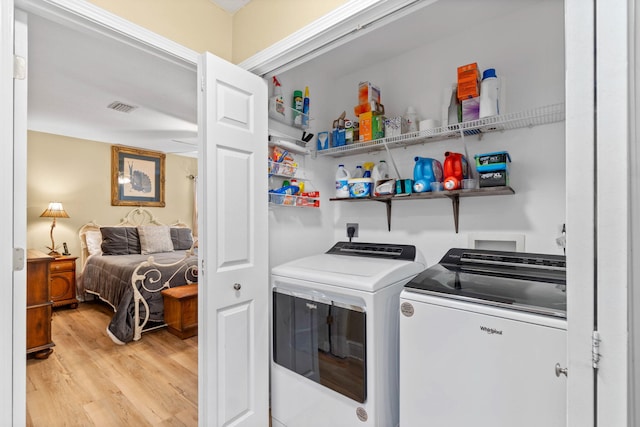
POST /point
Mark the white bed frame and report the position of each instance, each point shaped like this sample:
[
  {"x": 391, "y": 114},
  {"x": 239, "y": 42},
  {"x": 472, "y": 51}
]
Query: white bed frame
[{"x": 137, "y": 217}]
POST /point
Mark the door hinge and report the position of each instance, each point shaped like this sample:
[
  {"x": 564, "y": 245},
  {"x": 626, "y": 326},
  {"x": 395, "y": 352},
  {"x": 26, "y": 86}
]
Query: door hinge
[
  {"x": 19, "y": 67},
  {"x": 18, "y": 259},
  {"x": 202, "y": 85},
  {"x": 595, "y": 349}
]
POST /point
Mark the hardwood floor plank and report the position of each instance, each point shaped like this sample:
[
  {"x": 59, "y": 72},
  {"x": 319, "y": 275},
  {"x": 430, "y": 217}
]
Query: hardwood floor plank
[{"x": 90, "y": 381}]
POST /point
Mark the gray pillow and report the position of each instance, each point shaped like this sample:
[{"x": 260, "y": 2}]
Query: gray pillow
[
  {"x": 154, "y": 239},
  {"x": 182, "y": 238},
  {"x": 120, "y": 240}
]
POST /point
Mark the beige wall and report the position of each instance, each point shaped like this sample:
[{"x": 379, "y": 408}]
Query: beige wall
[
  {"x": 203, "y": 26},
  {"x": 76, "y": 173},
  {"x": 197, "y": 24},
  {"x": 262, "y": 23}
]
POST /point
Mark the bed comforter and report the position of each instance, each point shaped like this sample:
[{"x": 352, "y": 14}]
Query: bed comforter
[{"x": 109, "y": 278}]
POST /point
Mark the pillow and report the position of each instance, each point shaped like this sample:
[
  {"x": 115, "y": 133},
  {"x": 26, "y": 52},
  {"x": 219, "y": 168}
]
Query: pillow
[
  {"x": 120, "y": 240},
  {"x": 155, "y": 238},
  {"x": 93, "y": 239},
  {"x": 181, "y": 238}
]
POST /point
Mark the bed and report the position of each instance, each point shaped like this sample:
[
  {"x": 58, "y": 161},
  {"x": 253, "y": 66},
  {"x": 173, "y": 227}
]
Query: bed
[{"x": 127, "y": 265}]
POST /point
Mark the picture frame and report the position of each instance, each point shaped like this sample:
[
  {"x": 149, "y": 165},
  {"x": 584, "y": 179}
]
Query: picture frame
[{"x": 137, "y": 177}]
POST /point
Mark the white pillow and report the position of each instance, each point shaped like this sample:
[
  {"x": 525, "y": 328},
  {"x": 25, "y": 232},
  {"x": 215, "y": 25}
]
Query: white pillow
[
  {"x": 155, "y": 238},
  {"x": 93, "y": 239}
]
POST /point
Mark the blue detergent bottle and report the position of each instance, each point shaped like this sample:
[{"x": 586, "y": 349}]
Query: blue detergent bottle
[{"x": 426, "y": 171}]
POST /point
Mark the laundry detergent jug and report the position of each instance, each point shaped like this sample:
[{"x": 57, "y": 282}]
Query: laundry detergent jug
[
  {"x": 426, "y": 171},
  {"x": 456, "y": 169}
]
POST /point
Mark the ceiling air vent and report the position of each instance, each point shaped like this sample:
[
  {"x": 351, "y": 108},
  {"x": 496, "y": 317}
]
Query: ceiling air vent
[{"x": 121, "y": 106}]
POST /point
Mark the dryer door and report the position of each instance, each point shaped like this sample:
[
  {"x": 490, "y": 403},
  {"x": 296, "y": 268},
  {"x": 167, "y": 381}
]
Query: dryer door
[{"x": 322, "y": 340}]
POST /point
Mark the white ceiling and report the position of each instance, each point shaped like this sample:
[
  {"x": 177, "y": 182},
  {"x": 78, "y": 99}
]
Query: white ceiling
[
  {"x": 231, "y": 6},
  {"x": 74, "y": 75}
]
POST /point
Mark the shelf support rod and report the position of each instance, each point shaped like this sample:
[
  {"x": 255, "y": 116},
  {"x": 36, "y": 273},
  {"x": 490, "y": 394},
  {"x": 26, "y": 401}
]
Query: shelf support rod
[
  {"x": 393, "y": 162},
  {"x": 455, "y": 202},
  {"x": 388, "y": 203}
]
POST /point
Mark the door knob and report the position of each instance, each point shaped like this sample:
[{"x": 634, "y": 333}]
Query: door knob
[
  {"x": 561, "y": 370},
  {"x": 237, "y": 286}
]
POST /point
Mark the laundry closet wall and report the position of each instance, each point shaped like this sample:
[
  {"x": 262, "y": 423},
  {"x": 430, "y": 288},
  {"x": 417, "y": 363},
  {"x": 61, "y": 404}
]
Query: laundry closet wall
[{"x": 530, "y": 56}]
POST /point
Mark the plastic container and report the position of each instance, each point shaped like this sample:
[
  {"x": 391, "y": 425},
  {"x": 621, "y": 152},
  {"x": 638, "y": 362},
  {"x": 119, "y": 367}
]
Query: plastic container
[
  {"x": 380, "y": 171},
  {"x": 469, "y": 184},
  {"x": 358, "y": 173},
  {"x": 297, "y": 106},
  {"x": 342, "y": 182},
  {"x": 360, "y": 187},
  {"x": 489, "y": 162},
  {"x": 489, "y": 94},
  {"x": 305, "y": 108},
  {"x": 410, "y": 121},
  {"x": 456, "y": 169},
  {"x": 276, "y": 106},
  {"x": 425, "y": 171}
]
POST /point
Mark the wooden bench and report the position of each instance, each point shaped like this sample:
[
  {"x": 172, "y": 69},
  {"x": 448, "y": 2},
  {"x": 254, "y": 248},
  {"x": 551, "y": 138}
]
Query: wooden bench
[{"x": 181, "y": 310}]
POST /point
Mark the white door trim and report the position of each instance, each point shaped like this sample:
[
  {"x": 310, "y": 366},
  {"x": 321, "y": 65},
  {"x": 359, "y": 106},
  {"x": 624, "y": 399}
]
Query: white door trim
[
  {"x": 79, "y": 14},
  {"x": 83, "y": 14},
  {"x": 613, "y": 210},
  {"x": 580, "y": 199},
  {"x": 20, "y": 219},
  {"x": 351, "y": 20},
  {"x": 8, "y": 315}
]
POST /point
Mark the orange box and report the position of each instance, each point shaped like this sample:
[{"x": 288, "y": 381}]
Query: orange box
[
  {"x": 371, "y": 126},
  {"x": 468, "y": 81},
  {"x": 367, "y": 92}
]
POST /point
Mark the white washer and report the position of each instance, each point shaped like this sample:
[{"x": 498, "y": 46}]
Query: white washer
[
  {"x": 483, "y": 341},
  {"x": 334, "y": 352}
]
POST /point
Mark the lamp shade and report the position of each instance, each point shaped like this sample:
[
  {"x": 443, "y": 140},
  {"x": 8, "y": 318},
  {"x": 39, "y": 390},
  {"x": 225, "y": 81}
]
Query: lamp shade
[{"x": 55, "y": 210}]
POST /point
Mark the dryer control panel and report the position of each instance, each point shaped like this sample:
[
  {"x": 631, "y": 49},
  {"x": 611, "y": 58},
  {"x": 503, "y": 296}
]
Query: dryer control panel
[{"x": 374, "y": 250}]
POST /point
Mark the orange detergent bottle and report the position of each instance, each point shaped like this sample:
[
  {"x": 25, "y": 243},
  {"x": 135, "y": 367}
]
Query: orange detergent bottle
[{"x": 456, "y": 169}]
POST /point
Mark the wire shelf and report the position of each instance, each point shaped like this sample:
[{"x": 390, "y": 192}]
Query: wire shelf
[{"x": 535, "y": 117}]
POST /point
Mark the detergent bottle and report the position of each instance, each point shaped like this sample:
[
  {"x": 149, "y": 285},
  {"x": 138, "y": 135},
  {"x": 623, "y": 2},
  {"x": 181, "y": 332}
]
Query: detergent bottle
[
  {"x": 358, "y": 173},
  {"x": 342, "y": 182},
  {"x": 368, "y": 167},
  {"x": 489, "y": 94},
  {"x": 426, "y": 171},
  {"x": 456, "y": 169},
  {"x": 380, "y": 171},
  {"x": 276, "y": 105}
]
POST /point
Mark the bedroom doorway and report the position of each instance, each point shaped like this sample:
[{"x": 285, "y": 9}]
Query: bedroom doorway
[{"x": 185, "y": 135}]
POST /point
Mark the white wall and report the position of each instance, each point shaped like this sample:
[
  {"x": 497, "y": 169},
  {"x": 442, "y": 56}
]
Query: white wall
[{"x": 526, "y": 47}]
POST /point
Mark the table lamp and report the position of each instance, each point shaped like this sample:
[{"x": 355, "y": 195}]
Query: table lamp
[{"x": 55, "y": 210}]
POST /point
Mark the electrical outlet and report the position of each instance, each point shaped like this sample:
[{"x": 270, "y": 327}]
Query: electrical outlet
[{"x": 355, "y": 226}]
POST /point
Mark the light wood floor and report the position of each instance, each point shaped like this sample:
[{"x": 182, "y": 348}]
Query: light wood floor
[{"x": 90, "y": 381}]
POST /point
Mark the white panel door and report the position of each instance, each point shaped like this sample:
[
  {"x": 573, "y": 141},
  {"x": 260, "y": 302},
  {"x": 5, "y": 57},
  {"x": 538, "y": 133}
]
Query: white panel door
[{"x": 233, "y": 245}]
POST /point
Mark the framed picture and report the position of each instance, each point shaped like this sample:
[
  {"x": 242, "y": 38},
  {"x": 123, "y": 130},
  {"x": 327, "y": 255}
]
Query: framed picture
[{"x": 137, "y": 177}]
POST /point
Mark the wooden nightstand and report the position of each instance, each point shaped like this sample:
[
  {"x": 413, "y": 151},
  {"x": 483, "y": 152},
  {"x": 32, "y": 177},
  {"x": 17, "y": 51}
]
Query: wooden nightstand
[
  {"x": 63, "y": 281},
  {"x": 38, "y": 305}
]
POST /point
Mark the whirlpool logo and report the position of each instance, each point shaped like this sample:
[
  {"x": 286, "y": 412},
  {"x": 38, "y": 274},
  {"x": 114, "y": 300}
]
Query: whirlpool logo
[{"x": 490, "y": 331}]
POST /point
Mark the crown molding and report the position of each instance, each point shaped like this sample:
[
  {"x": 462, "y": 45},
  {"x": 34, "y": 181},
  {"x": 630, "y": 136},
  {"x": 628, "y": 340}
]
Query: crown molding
[
  {"x": 351, "y": 20},
  {"x": 88, "y": 17}
]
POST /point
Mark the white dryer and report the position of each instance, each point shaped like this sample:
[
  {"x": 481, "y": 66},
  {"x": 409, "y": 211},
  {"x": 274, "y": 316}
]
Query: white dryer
[{"x": 334, "y": 352}]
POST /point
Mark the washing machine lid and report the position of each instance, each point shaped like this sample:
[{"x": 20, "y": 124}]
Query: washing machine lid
[
  {"x": 521, "y": 281},
  {"x": 367, "y": 267}
]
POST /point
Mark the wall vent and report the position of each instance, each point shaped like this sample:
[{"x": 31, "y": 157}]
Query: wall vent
[{"x": 121, "y": 106}]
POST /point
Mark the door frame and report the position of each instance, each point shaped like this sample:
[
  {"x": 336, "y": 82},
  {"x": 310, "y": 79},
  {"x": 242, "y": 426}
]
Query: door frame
[
  {"x": 588, "y": 247},
  {"x": 614, "y": 199},
  {"x": 78, "y": 14},
  {"x": 9, "y": 315}
]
